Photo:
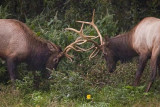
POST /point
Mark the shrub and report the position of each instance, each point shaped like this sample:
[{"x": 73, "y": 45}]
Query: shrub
[{"x": 4, "y": 12}]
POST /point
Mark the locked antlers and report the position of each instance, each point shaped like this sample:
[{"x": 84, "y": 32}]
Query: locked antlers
[{"x": 85, "y": 38}]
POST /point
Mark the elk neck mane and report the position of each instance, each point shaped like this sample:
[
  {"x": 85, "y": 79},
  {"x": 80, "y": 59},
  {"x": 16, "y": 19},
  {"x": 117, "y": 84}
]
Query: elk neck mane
[
  {"x": 39, "y": 54},
  {"x": 39, "y": 51},
  {"x": 121, "y": 46}
]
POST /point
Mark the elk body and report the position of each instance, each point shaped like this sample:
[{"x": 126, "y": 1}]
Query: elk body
[
  {"x": 19, "y": 44},
  {"x": 143, "y": 41}
]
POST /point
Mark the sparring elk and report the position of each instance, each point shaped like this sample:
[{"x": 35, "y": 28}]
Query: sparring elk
[
  {"x": 19, "y": 44},
  {"x": 143, "y": 41}
]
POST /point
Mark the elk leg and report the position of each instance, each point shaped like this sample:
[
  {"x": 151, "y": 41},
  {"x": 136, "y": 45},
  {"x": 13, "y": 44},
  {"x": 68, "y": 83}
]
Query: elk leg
[
  {"x": 153, "y": 65},
  {"x": 141, "y": 65},
  {"x": 36, "y": 80},
  {"x": 153, "y": 74},
  {"x": 158, "y": 66},
  {"x": 11, "y": 66}
]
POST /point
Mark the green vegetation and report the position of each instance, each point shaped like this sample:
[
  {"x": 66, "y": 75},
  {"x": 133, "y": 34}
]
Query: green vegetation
[{"x": 73, "y": 81}]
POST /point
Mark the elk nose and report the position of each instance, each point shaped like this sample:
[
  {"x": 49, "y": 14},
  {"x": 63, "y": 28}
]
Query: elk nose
[{"x": 111, "y": 71}]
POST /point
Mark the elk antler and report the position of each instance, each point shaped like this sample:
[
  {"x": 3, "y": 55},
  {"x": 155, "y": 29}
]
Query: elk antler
[
  {"x": 86, "y": 38},
  {"x": 96, "y": 28},
  {"x": 74, "y": 46}
]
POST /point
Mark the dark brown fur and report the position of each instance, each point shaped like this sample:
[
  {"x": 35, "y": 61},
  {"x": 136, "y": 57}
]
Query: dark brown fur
[{"x": 118, "y": 48}]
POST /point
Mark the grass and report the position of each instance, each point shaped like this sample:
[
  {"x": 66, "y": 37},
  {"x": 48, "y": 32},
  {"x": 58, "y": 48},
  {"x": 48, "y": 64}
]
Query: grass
[
  {"x": 105, "y": 97},
  {"x": 69, "y": 89}
]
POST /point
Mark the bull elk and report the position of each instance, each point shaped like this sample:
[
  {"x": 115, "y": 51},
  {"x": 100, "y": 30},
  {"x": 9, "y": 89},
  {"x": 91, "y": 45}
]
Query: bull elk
[
  {"x": 19, "y": 44},
  {"x": 143, "y": 40}
]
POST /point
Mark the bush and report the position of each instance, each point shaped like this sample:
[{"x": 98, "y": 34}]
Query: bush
[{"x": 4, "y": 12}]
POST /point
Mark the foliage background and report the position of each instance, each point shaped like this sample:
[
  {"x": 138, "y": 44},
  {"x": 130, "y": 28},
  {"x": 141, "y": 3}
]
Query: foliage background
[
  {"x": 73, "y": 81},
  {"x": 127, "y": 12}
]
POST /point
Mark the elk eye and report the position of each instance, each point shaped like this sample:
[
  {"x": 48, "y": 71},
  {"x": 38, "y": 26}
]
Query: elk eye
[
  {"x": 55, "y": 60},
  {"x": 104, "y": 53}
]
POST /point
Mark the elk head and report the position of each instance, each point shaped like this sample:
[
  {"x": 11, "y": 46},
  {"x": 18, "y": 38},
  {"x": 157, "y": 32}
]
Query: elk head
[{"x": 55, "y": 56}]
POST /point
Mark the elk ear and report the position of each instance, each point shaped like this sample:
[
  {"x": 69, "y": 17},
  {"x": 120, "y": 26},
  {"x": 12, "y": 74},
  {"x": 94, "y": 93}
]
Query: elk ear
[
  {"x": 51, "y": 47},
  {"x": 106, "y": 39}
]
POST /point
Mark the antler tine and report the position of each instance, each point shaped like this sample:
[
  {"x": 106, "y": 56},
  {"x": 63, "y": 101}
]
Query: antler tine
[
  {"x": 82, "y": 42},
  {"x": 69, "y": 57},
  {"x": 81, "y": 30},
  {"x": 93, "y": 16},
  {"x": 92, "y": 54},
  {"x": 92, "y": 37},
  {"x": 73, "y": 30}
]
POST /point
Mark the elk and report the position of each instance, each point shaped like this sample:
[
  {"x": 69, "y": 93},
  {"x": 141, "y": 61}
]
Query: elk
[
  {"x": 20, "y": 44},
  {"x": 143, "y": 40}
]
